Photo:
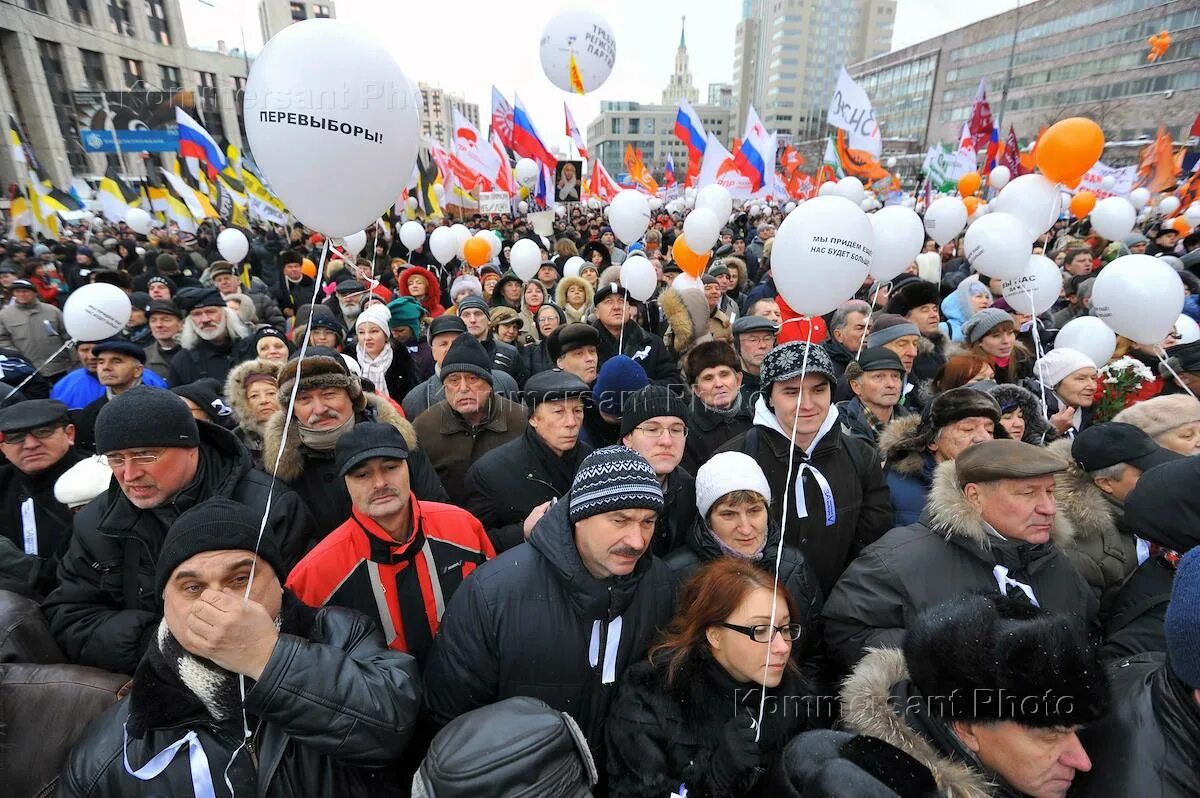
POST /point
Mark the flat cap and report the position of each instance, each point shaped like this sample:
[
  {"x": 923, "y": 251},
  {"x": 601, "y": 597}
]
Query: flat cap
[
  {"x": 553, "y": 385},
  {"x": 163, "y": 306},
  {"x": 190, "y": 299},
  {"x": 570, "y": 337},
  {"x": 31, "y": 414},
  {"x": 880, "y": 359},
  {"x": 121, "y": 347},
  {"x": 446, "y": 324},
  {"x": 745, "y": 324},
  {"x": 218, "y": 267},
  {"x": 1005, "y": 459}
]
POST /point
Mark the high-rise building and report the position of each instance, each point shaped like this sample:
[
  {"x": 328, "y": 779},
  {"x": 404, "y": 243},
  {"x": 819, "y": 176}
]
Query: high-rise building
[
  {"x": 680, "y": 86},
  {"x": 437, "y": 118},
  {"x": 275, "y": 15},
  {"x": 787, "y": 54},
  {"x": 720, "y": 94}
]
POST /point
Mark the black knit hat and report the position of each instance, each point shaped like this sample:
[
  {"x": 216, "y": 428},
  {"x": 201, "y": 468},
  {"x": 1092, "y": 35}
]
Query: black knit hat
[
  {"x": 323, "y": 318},
  {"x": 215, "y": 525},
  {"x": 614, "y": 478},
  {"x": 985, "y": 657},
  {"x": 206, "y": 393},
  {"x": 145, "y": 418},
  {"x": 467, "y": 355},
  {"x": 651, "y": 402}
]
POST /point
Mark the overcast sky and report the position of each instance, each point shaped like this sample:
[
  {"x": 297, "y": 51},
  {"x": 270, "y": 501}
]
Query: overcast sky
[{"x": 464, "y": 46}]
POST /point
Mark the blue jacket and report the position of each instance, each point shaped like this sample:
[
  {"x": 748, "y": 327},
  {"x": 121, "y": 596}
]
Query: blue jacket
[
  {"x": 908, "y": 468},
  {"x": 80, "y": 388}
]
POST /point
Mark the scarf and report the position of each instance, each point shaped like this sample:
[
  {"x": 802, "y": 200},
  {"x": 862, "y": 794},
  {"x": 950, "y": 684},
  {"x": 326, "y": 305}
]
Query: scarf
[
  {"x": 728, "y": 412},
  {"x": 375, "y": 368},
  {"x": 729, "y": 551},
  {"x": 216, "y": 687},
  {"x": 323, "y": 440},
  {"x": 560, "y": 469}
]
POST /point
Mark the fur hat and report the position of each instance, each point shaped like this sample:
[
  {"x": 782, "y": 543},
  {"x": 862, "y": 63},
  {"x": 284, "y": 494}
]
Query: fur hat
[
  {"x": 319, "y": 371},
  {"x": 1161, "y": 414},
  {"x": 687, "y": 313},
  {"x": 912, "y": 295},
  {"x": 985, "y": 657},
  {"x": 466, "y": 282},
  {"x": 710, "y": 354}
]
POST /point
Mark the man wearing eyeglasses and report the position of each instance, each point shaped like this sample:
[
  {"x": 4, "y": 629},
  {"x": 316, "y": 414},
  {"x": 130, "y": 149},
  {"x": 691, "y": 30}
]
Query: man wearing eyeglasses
[
  {"x": 105, "y": 609},
  {"x": 38, "y": 443},
  {"x": 654, "y": 423}
]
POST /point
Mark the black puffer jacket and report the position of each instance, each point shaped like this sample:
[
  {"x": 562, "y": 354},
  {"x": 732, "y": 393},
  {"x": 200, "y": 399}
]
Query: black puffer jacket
[
  {"x": 709, "y": 430},
  {"x": 524, "y": 622},
  {"x": 678, "y": 516},
  {"x": 51, "y": 518},
  {"x": 661, "y": 735},
  {"x": 105, "y": 608},
  {"x": 1149, "y": 743},
  {"x": 644, "y": 347},
  {"x": 206, "y": 360},
  {"x": 332, "y": 713}
]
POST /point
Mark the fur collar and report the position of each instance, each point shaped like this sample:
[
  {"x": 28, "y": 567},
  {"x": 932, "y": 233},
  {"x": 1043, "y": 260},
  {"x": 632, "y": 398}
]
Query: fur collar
[
  {"x": 560, "y": 291},
  {"x": 1078, "y": 498},
  {"x": 687, "y": 315},
  {"x": 866, "y": 710},
  {"x": 948, "y": 511},
  {"x": 901, "y": 445},
  {"x": 291, "y": 466},
  {"x": 235, "y": 392}
]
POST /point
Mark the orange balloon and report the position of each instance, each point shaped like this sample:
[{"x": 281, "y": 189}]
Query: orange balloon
[
  {"x": 308, "y": 268},
  {"x": 1082, "y": 204},
  {"x": 972, "y": 203},
  {"x": 477, "y": 251},
  {"x": 1180, "y": 225},
  {"x": 1068, "y": 149},
  {"x": 968, "y": 184},
  {"x": 692, "y": 263}
]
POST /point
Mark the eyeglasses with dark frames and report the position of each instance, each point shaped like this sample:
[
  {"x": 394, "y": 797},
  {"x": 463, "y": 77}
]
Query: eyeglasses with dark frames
[{"x": 761, "y": 632}]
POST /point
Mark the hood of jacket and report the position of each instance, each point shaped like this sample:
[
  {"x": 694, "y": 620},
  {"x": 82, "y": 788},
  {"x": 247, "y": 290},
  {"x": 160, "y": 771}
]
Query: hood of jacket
[
  {"x": 828, "y": 436},
  {"x": 560, "y": 291},
  {"x": 554, "y": 538},
  {"x": 1037, "y": 430},
  {"x": 236, "y": 394},
  {"x": 902, "y": 446},
  {"x": 703, "y": 541},
  {"x": 433, "y": 290},
  {"x": 1092, "y": 515},
  {"x": 687, "y": 314},
  {"x": 291, "y": 465},
  {"x": 948, "y": 511},
  {"x": 866, "y": 709}
]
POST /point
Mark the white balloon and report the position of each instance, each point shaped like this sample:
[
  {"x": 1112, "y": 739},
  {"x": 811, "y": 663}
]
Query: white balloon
[
  {"x": 999, "y": 177},
  {"x": 701, "y": 229},
  {"x": 522, "y": 207},
  {"x": 578, "y": 41},
  {"x": 489, "y": 238},
  {"x": 354, "y": 243},
  {"x": 822, "y": 254},
  {"x": 1139, "y": 296},
  {"x": 980, "y": 210},
  {"x": 655, "y": 203},
  {"x": 1113, "y": 218},
  {"x": 945, "y": 219},
  {"x": 909, "y": 202},
  {"x": 867, "y": 204},
  {"x": 639, "y": 278},
  {"x": 1139, "y": 197},
  {"x": 1192, "y": 214},
  {"x": 1187, "y": 329},
  {"x": 1036, "y": 289},
  {"x": 851, "y": 188},
  {"x": 891, "y": 162},
  {"x": 325, "y": 104},
  {"x": 1168, "y": 205},
  {"x": 996, "y": 246},
  {"x": 525, "y": 258},
  {"x": 572, "y": 266},
  {"x": 685, "y": 282},
  {"x": 96, "y": 311},
  {"x": 527, "y": 172},
  {"x": 412, "y": 234},
  {"x": 438, "y": 191},
  {"x": 443, "y": 245},
  {"x": 789, "y": 207},
  {"x": 232, "y": 245},
  {"x": 462, "y": 234},
  {"x": 629, "y": 215},
  {"x": 411, "y": 203},
  {"x": 716, "y": 198},
  {"x": 1034, "y": 200},
  {"x": 1107, "y": 182},
  {"x": 1089, "y": 335},
  {"x": 138, "y": 221},
  {"x": 899, "y": 236},
  {"x": 827, "y": 188}
]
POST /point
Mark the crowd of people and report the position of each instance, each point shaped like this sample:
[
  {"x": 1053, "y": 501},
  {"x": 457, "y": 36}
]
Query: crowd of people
[{"x": 329, "y": 524}]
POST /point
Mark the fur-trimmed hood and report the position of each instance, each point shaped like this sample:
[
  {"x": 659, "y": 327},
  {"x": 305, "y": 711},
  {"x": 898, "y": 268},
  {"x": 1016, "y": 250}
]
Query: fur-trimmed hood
[
  {"x": 1092, "y": 515},
  {"x": 686, "y": 313},
  {"x": 1037, "y": 430},
  {"x": 948, "y": 512},
  {"x": 560, "y": 291},
  {"x": 235, "y": 391},
  {"x": 866, "y": 710},
  {"x": 291, "y": 466},
  {"x": 902, "y": 447},
  {"x": 433, "y": 289}
]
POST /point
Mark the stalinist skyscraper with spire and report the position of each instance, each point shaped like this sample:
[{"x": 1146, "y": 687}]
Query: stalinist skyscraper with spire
[{"x": 680, "y": 86}]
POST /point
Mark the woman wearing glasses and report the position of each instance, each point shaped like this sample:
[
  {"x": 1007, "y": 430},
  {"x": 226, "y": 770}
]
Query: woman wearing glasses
[{"x": 686, "y": 720}]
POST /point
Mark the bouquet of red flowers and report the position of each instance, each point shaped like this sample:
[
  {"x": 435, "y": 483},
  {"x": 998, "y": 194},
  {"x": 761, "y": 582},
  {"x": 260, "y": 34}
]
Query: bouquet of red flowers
[{"x": 1121, "y": 383}]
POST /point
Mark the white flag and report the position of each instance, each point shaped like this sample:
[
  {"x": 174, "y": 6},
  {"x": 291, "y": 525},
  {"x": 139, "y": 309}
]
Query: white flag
[
  {"x": 850, "y": 109},
  {"x": 473, "y": 149}
]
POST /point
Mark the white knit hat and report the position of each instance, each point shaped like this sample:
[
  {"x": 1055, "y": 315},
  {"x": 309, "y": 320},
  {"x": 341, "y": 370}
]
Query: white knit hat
[
  {"x": 376, "y": 314},
  {"x": 1058, "y": 364},
  {"x": 726, "y": 472},
  {"x": 83, "y": 481}
]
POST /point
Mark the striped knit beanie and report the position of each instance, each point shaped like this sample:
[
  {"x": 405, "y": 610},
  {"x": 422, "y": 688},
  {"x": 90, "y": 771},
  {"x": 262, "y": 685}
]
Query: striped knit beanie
[{"x": 614, "y": 478}]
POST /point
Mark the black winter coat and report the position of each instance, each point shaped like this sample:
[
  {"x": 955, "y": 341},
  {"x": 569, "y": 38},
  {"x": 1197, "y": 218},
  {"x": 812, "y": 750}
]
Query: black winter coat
[
  {"x": 105, "y": 608},
  {"x": 646, "y": 348},
  {"x": 1134, "y": 623},
  {"x": 204, "y": 360},
  {"x": 401, "y": 376},
  {"x": 524, "y": 622},
  {"x": 51, "y": 518},
  {"x": 661, "y": 735},
  {"x": 509, "y": 481},
  {"x": 536, "y": 358},
  {"x": 709, "y": 430},
  {"x": 333, "y": 711},
  {"x": 1149, "y": 743},
  {"x": 506, "y": 358},
  {"x": 678, "y": 515}
]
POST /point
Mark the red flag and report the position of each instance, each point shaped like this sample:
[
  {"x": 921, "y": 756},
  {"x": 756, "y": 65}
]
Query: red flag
[
  {"x": 1195, "y": 131},
  {"x": 980, "y": 123},
  {"x": 502, "y": 118},
  {"x": 1012, "y": 153},
  {"x": 603, "y": 186}
]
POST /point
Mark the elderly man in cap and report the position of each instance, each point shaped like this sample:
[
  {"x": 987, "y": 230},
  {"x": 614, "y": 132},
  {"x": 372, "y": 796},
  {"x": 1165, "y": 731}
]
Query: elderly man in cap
[
  {"x": 1158, "y": 717},
  {"x": 875, "y": 379},
  {"x": 38, "y": 447},
  {"x": 233, "y": 643},
  {"x": 990, "y": 693},
  {"x": 991, "y": 524},
  {"x": 615, "y": 311},
  {"x": 329, "y": 402},
  {"x": 573, "y": 348},
  {"x": 471, "y": 420},
  {"x": 719, "y": 410},
  {"x": 510, "y": 488},
  {"x": 209, "y": 336},
  {"x": 918, "y": 301},
  {"x": 474, "y": 313},
  {"x": 841, "y": 504},
  {"x": 397, "y": 560},
  {"x": 899, "y": 335},
  {"x": 753, "y": 337},
  {"x": 120, "y": 365},
  {"x": 165, "y": 321},
  {"x": 35, "y": 329},
  {"x": 266, "y": 309},
  {"x": 443, "y": 332},
  {"x": 82, "y": 386},
  {"x": 912, "y": 447},
  {"x": 105, "y": 610},
  {"x": 561, "y": 616}
]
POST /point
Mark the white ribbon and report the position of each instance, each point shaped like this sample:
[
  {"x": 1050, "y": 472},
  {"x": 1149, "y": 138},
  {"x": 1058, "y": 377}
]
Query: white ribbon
[
  {"x": 826, "y": 494},
  {"x": 1005, "y": 582},
  {"x": 202, "y": 783},
  {"x": 612, "y": 642}
]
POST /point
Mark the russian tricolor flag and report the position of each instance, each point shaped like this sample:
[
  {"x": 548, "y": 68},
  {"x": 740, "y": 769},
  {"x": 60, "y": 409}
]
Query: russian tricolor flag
[
  {"x": 757, "y": 145},
  {"x": 526, "y": 141},
  {"x": 195, "y": 142},
  {"x": 690, "y": 130}
]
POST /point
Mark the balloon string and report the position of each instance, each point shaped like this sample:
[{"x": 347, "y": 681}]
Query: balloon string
[
  {"x": 70, "y": 343},
  {"x": 621, "y": 339},
  {"x": 870, "y": 312},
  {"x": 787, "y": 484},
  {"x": 1162, "y": 356},
  {"x": 1038, "y": 352}
]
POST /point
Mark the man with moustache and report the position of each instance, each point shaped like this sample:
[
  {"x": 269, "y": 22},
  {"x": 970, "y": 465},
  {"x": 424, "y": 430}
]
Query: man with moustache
[{"x": 209, "y": 334}]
